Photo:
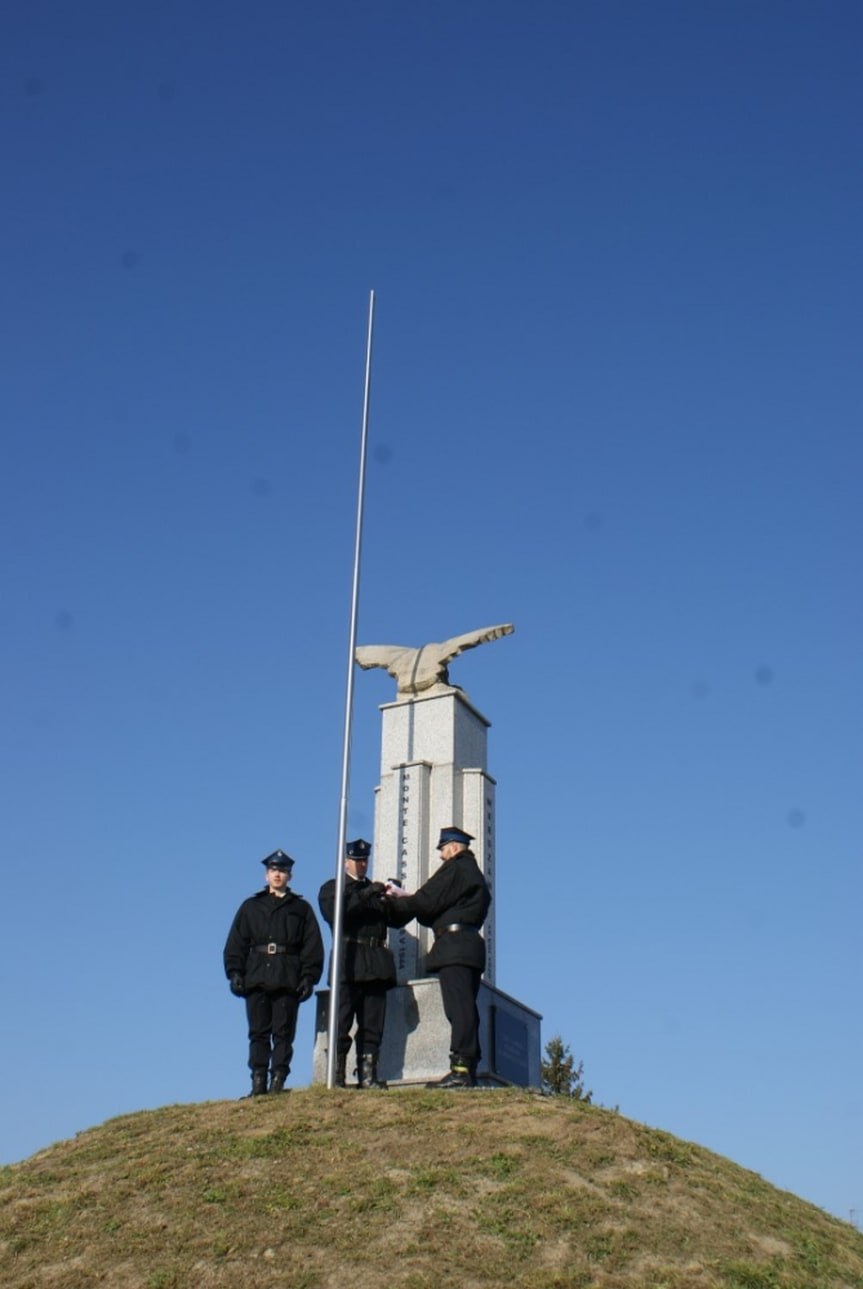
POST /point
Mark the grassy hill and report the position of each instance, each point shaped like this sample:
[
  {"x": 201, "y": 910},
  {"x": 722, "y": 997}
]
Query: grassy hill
[{"x": 406, "y": 1188}]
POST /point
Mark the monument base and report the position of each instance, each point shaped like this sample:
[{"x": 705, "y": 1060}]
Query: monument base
[{"x": 415, "y": 1046}]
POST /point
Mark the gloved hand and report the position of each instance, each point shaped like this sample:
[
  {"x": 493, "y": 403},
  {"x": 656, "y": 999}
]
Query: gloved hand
[
  {"x": 237, "y": 985},
  {"x": 305, "y": 990},
  {"x": 374, "y": 896}
]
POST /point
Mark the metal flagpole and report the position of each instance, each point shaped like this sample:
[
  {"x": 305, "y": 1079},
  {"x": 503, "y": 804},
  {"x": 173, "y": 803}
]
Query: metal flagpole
[{"x": 336, "y": 957}]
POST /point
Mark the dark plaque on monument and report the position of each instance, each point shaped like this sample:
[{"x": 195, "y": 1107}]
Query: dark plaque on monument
[{"x": 510, "y": 1047}]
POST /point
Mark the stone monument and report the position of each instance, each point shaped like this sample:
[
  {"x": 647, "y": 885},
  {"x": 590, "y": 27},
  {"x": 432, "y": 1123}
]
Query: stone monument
[{"x": 434, "y": 773}]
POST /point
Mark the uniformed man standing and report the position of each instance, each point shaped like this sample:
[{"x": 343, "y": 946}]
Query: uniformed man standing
[
  {"x": 274, "y": 957},
  {"x": 367, "y": 966},
  {"x": 454, "y": 902}
]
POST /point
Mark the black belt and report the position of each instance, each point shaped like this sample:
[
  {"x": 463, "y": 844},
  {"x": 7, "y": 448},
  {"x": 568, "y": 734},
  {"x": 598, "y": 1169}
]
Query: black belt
[
  {"x": 454, "y": 926},
  {"x": 374, "y": 940},
  {"x": 272, "y": 948}
]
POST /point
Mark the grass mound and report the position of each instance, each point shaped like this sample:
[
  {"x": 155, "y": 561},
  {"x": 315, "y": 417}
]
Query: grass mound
[{"x": 401, "y": 1190}]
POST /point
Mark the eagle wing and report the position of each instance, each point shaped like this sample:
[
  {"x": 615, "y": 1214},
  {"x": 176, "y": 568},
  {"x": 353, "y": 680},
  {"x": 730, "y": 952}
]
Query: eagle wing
[
  {"x": 390, "y": 657},
  {"x": 457, "y": 644}
]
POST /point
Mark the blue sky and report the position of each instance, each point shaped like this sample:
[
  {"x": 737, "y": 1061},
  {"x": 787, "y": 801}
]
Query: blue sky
[{"x": 616, "y": 401}]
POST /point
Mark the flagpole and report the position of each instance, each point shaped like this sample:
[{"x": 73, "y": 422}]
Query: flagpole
[{"x": 336, "y": 957}]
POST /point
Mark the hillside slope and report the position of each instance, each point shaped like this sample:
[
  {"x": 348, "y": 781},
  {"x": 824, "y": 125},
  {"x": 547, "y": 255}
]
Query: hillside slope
[{"x": 406, "y": 1188}]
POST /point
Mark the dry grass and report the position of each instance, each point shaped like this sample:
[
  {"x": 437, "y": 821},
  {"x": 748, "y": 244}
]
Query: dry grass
[{"x": 402, "y": 1190}]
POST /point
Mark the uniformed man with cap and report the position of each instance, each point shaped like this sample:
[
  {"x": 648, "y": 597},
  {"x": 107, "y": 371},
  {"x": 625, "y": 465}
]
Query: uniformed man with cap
[
  {"x": 274, "y": 956},
  {"x": 454, "y": 902},
  {"x": 367, "y": 966}
]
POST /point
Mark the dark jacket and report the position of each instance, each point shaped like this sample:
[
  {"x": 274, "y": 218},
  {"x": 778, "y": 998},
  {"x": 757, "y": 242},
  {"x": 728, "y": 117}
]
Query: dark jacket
[
  {"x": 365, "y": 956},
  {"x": 456, "y": 893},
  {"x": 290, "y": 924}
]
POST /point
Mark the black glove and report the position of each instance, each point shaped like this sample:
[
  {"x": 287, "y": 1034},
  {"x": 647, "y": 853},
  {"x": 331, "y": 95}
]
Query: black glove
[
  {"x": 237, "y": 985},
  {"x": 373, "y": 896},
  {"x": 305, "y": 990}
]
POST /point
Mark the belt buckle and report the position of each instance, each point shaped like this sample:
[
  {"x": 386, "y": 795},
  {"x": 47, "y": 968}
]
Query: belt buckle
[{"x": 272, "y": 947}]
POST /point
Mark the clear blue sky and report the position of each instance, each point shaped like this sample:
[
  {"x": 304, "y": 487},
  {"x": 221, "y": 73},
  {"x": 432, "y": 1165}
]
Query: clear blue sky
[{"x": 616, "y": 251}]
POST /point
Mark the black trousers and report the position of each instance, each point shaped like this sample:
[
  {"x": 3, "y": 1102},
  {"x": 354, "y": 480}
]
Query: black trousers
[
  {"x": 367, "y": 1002},
  {"x": 459, "y": 987},
  {"x": 272, "y": 1021}
]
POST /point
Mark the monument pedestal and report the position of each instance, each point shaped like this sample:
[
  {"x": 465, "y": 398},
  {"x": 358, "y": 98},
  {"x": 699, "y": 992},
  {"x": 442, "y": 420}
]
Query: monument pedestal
[{"x": 415, "y": 1046}]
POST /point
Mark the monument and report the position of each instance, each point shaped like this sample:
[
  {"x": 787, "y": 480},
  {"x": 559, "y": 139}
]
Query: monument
[{"x": 434, "y": 773}]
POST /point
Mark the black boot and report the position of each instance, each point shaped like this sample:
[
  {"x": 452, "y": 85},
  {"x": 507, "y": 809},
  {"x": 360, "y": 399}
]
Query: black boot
[
  {"x": 341, "y": 1072},
  {"x": 259, "y": 1083},
  {"x": 369, "y": 1071},
  {"x": 460, "y": 1075},
  {"x": 277, "y": 1082}
]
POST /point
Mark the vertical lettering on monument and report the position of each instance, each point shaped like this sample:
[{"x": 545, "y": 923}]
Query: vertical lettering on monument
[
  {"x": 405, "y": 943},
  {"x": 412, "y": 781}
]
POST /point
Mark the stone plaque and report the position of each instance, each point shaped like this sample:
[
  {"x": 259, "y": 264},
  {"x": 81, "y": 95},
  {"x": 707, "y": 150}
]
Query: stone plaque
[{"x": 511, "y": 1047}]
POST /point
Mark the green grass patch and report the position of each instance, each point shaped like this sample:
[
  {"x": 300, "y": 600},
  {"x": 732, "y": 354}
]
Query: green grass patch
[{"x": 414, "y": 1189}]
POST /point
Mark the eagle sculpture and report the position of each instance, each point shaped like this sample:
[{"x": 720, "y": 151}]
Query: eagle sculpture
[{"x": 419, "y": 670}]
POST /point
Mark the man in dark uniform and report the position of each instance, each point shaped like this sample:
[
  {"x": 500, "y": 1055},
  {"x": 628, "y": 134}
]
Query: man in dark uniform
[
  {"x": 367, "y": 967},
  {"x": 454, "y": 902},
  {"x": 274, "y": 956}
]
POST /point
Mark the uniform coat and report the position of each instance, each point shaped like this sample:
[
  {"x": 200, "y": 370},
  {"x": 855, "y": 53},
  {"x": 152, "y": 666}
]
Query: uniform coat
[
  {"x": 288, "y": 922},
  {"x": 365, "y": 956},
  {"x": 456, "y": 893}
]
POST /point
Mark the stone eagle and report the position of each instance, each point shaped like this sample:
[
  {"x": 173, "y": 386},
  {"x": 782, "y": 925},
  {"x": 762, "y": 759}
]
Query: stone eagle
[{"x": 419, "y": 670}]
